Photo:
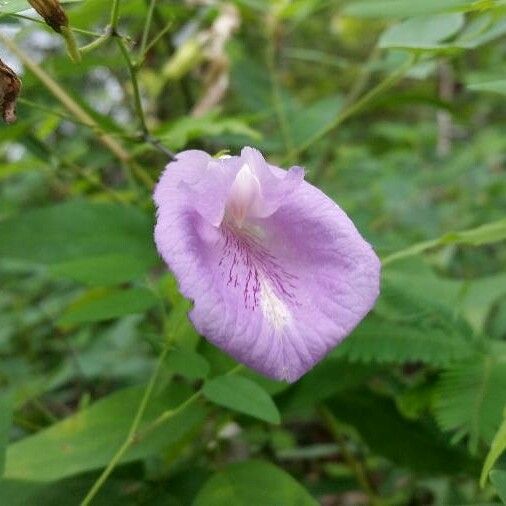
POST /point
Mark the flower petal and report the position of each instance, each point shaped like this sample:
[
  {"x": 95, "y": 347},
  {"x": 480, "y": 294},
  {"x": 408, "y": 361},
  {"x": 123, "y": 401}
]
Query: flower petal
[
  {"x": 276, "y": 184},
  {"x": 279, "y": 293}
]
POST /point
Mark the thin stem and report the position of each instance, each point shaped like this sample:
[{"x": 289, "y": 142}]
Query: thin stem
[
  {"x": 134, "y": 435},
  {"x": 159, "y": 35},
  {"x": 362, "y": 81},
  {"x": 82, "y": 116},
  {"x": 167, "y": 415},
  {"x": 135, "y": 84},
  {"x": 131, "y": 437},
  {"x": 100, "y": 41},
  {"x": 50, "y": 110},
  {"x": 147, "y": 26},
  {"x": 146, "y": 136},
  {"x": 356, "y": 107},
  {"x": 71, "y": 43},
  {"x": 66, "y": 100},
  {"x": 114, "y": 15},
  {"x": 41, "y": 22}
]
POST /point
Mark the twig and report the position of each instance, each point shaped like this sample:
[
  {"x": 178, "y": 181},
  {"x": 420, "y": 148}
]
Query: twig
[
  {"x": 82, "y": 116},
  {"x": 138, "y": 102},
  {"x": 131, "y": 437},
  {"x": 147, "y": 26},
  {"x": 356, "y": 107}
]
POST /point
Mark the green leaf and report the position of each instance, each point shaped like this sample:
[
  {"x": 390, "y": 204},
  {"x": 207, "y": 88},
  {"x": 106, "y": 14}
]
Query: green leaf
[
  {"x": 489, "y": 86},
  {"x": 496, "y": 449},
  {"x": 404, "y": 8},
  {"x": 26, "y": 493},
  {"x": 408, "y": 326},
  {"x": 471, "y": 395},
  {"x": 102, "y": 270},
  {"x": 386, "y": 342},
  {"x": 99, "y": 304},
  {"x": 498, "y": 478},
  {"x": 404, "y": 442},
  {"x": 88, "y": 440},
  {"x": 189, "y": 364},
  {"x": 332, "y": 375},
  {"x": 242, "y": 395},
  {"x": 305, "y": 121},
  {"x": 78, "y": 231},
  {"x": 179, "y": 133},
  {"x": 422, "y": 32},
  {"x": 5, "y": 427},
  {"x": 485, "y": 234},
  {"x": 253, "y": 483}
]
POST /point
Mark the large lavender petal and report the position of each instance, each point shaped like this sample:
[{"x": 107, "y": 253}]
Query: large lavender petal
[{"x": 276, "y": 294}]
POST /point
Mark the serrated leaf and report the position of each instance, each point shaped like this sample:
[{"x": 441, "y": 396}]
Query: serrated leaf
[
  {"x": 253, "y": 483},
  {"x": 101, "y": 305},
  {"x": 498, "y": 478},
  {"x": 88, "y": 439},
  {"x": 408, "y": 326},
  {"x": 242, "y": 395},
  {"x": 470, "y": 397}
]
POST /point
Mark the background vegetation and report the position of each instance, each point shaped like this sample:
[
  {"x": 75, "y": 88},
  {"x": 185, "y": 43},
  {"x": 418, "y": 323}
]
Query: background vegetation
[{"x": 397, "y": 110}]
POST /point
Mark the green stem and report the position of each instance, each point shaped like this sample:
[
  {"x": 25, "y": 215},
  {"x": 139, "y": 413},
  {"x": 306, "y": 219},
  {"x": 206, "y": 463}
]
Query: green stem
[
  {"x": 70, "y": 42},
  {"x": 147, "y": 26},
  {"x": 135, "y": 85},
  {"x": 41, "y": 22},
  {"x": 98, "y": 42},
  {"x": 158, "y": 36},
  {"x": 131, "y": 437},
  {"x": 356, "y": 107},
  {"x": 167, "y": 415},
  {"x": 114, "y": 15},
  {"x": 80, "y": 114},
  {"x": 66, "y": 100},
  {"x": 146, "y": 136}
]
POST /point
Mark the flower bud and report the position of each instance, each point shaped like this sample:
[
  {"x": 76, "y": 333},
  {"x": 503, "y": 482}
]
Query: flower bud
[
  {"x": 52, "y": 13},
  {"x": 10, "y": 85}
]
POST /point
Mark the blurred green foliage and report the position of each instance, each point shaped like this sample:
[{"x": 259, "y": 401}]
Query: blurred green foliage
[{"x": 396, "y": 108}]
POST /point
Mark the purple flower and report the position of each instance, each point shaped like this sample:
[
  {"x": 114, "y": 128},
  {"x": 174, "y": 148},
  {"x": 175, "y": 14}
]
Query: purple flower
[{"x": 278, "y": 273}]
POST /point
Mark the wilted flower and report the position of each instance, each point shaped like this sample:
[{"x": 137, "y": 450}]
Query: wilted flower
[
  {"x": 10, "y": 86},
  {"x": 278, "y": 273},
  {"x": 52, "y": 13}
]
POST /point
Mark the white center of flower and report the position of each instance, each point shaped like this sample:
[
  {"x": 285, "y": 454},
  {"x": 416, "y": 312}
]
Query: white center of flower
[
  {"x": 243, "y": 193},
  {"x": 274, "y": 309}
]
